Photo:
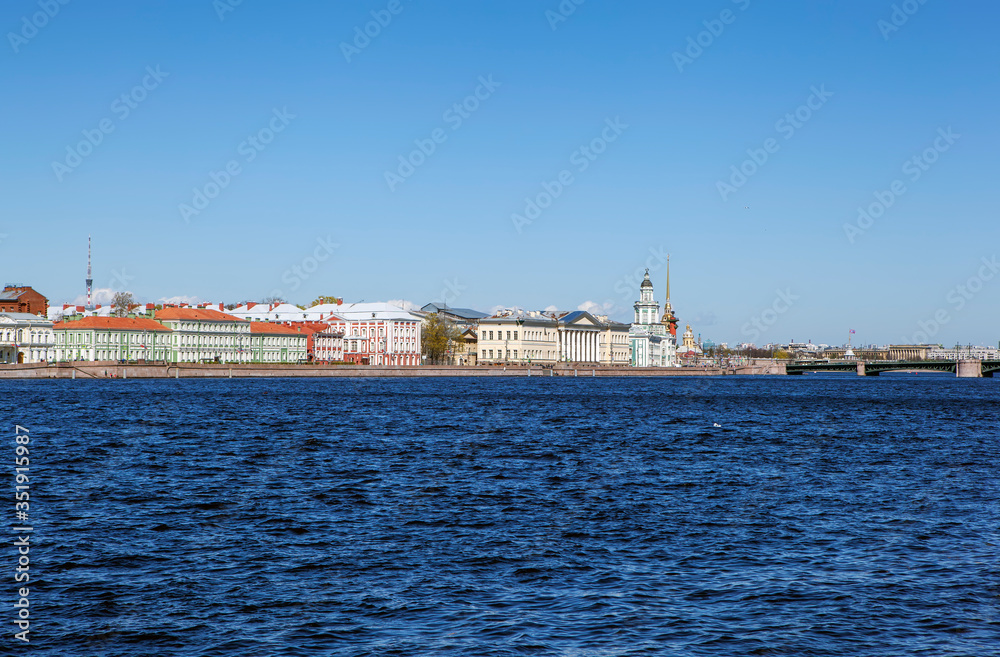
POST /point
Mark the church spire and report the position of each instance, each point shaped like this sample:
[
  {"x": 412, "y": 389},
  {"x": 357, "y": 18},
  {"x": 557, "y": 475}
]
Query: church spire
[{"x": 666, "y": 306}]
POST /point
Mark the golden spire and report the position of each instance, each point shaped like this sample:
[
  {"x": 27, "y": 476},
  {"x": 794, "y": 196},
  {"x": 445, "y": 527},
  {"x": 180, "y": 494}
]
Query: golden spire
[
  {"x": 668, "y": 280},
  {"x": 668, "y": 310}
]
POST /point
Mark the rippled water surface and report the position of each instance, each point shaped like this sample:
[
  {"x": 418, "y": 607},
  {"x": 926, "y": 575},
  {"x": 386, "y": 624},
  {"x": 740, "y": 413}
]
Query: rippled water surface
[{"x": 824, "y": 516}]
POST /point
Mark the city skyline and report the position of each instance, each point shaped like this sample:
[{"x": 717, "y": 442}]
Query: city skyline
[{"x": 848, "y": 185}]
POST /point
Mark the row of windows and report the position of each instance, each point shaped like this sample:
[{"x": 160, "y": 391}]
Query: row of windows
[
  {"x": 544, "y": 335},
  {"x": 511, "y": 354},
  {"x": 228, "y": 327},
  {"x": 111, "y": 338}
]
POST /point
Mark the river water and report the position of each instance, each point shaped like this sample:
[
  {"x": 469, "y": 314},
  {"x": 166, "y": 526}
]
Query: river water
[{"x": 815, "y": 515}]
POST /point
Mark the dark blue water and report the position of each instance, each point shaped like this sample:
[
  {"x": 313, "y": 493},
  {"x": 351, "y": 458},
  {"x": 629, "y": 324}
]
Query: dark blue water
[{"x": 585, "y": 517}]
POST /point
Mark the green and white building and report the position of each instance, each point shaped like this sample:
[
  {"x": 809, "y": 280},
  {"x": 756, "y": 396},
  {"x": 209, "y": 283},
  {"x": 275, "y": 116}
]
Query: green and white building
[{"x": 110, "y": 338}]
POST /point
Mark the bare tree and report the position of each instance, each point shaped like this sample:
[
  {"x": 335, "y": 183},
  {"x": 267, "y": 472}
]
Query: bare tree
[{"x": 122, "y": 304}]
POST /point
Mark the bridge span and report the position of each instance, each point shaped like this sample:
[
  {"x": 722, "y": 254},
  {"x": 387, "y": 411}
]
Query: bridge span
[{"x": 961, "y": 368}]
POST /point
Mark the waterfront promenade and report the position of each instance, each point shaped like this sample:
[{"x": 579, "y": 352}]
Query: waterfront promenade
[{"x": 86, "y": 370}]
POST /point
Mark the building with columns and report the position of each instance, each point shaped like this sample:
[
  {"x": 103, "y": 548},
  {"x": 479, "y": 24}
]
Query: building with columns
[
  {"x": 653, "y": 337},
  {"x": 517, "y": 336}
]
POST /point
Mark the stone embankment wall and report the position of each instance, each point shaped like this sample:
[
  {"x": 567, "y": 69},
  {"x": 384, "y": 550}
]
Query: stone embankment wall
[{"x": 190, "y": 370}]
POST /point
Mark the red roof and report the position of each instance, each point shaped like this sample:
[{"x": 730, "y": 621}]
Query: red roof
[
  {"x": 112, "y": 323},
  {"x": 198, "y": 314},
  {"x": 278, "y": 329}
]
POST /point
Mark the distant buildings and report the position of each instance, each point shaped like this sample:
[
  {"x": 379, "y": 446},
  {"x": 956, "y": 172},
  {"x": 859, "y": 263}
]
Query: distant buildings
[
  {"x": 890, "y": 352},
  {"x": 518, "y": 336},
  {"x": 203, "y": 334},
  {"x": 25, "y": 338},
  {"x": 23, "y": 299},
  {"x": 466, "y": 350},
  {"x": 378, "y": 334},
  {"x": 381, "y": 334},
  {"x": 959, "y": 353},
  {"x": 652, "y": 338},
  {"x": 329, "y": 345},
  {"x": 277, "y": 343},
  {"x": 112, "y": 338},
  {"x": 689, "y": 348},
  {"x": 177, "y": 335}
]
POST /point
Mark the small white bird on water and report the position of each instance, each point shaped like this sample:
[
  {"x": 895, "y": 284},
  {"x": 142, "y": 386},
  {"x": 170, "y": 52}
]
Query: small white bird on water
[{"x": 716, "y": 424}]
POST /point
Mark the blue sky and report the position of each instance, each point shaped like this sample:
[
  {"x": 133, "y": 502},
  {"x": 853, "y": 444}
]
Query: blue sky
[{"x": 311, "y": 212}]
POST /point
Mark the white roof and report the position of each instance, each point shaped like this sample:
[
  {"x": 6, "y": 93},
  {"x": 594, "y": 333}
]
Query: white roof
[
  {"x": 357, "y": 312},
  {"x": 24, "y": 318}
]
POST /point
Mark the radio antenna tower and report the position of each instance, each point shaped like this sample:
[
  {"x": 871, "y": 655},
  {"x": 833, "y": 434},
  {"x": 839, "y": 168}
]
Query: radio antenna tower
[{"x": 90, "y": 281}]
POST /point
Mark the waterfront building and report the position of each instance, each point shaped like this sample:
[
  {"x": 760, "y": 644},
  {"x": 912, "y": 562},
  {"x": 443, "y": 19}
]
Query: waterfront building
[
  {"x": 272, "y": 312},
  {"x": 518, "y": 336},
  {"x": 689, "y": 348},
  {"x": 963, "y": 353},
  {"x": 652, "y": 337},
  {"x": 25, "y": 338},
  {"x": 386, "y": 336},
  {"x": 329, "y": 345},
  {"x": 461, "y": 317},
  {"x": 615, "y": 346},
  {"x": 277, "y": 343},
  {"x": 23, "y": 299},
  {"x": 465, "y": 350},
  {"x": 205, "y": 335},
  {"x": 872, "y": 352},
  {"x": 375, "y": 333},
  {"x": 111, "y": 338}
]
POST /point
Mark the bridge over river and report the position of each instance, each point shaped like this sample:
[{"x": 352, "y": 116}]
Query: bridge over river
[{"x": 961, "y": 368}]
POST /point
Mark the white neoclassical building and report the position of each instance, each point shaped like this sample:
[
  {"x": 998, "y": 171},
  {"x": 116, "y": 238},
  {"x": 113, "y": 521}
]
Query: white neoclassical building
[
  {"x": 528, "y": 337},
  {"x": 653, "y": 338},
  {"x": 25, "y": 338}
]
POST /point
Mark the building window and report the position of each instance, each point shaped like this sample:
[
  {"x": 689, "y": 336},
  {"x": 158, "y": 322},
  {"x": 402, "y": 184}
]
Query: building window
[{"x": 515, "y": 337}]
